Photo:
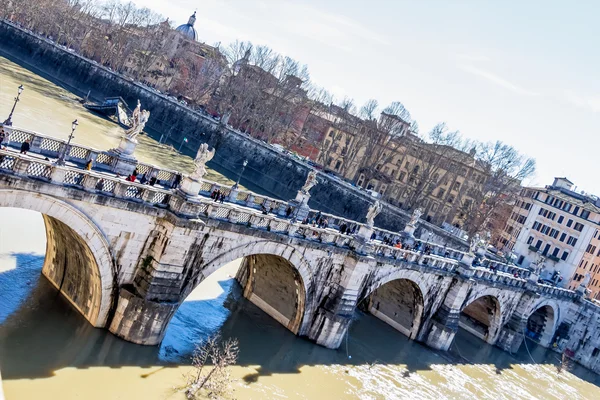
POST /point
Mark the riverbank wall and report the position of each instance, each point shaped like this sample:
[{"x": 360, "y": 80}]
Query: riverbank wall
[{"x": 268, "y": 172}]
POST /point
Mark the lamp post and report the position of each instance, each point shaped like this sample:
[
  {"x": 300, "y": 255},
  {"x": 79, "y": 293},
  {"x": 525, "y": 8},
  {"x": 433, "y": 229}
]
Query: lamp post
[
  {"x": 240, "y": 175},
  {"x": 8, "y": 121},
  {"x": 63, "y": 153}
]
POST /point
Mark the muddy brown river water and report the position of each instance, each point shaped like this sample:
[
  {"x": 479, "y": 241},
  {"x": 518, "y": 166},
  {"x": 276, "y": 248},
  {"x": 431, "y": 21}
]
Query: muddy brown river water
[{"x": 49, "y": 351}]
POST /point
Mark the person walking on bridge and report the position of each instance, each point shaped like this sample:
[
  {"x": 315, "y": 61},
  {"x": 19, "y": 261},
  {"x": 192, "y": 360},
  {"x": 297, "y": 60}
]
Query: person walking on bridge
[{"x": 25, "y": 147}]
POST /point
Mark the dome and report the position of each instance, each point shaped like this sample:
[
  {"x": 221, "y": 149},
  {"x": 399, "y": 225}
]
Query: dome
[{"x": 188, "y": 30}]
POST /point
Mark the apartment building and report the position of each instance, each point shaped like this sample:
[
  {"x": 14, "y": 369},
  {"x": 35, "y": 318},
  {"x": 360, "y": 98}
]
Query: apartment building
[
  {"x": 561, "y": 225},
  {"x": 515, "y": 222},
  {"x": 439, "y": 179},
  {"x": 589, "y": 264}
]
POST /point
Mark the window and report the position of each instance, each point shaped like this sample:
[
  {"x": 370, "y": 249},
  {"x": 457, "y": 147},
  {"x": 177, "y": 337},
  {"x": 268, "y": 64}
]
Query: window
[
  {"x": 565, "y": 255},
  {"x": 569, "y": 223},
  {"x": 450, "y": 199},
  {"x": 402, "y": 176},
  {"x": 407, "y": 165},
  {"x": 441, "y": 193},
  {"x": 521, "y": 219},
  {"x": 578, "y": 227},
  {"x": 585, "y": 214},
  {"x": 527, "y": 206},
  {"x": 545, "y": 229},
  {"x": 536, "y": 225},
  {"x": 541, "y": 211},
  {"x": 563, "y": 236},
  {"x": 520, "y": 260},
  {"x": 530, "y": 240},
  {"x": 576, "y": 210},
  {"x": 538, "y": 244},
  {"x": 456, "y": 186},
  {"x": 555, "y": 252},
  {"x": 572, "y": 241},
  {"x": 561, "y": 219},
  {"x": 546, "y": 249}
]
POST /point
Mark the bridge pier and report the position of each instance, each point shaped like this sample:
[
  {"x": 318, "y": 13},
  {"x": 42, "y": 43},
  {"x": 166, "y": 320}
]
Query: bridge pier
[
  {"x": 444, "y": 324},
  {"x": 510, "y": 339},
  {"x": 140, "y": 320}
]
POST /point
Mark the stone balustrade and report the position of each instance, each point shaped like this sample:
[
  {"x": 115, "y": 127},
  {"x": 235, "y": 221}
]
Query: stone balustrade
[
  {"x": 554, "y": 291},
  {"x": 103, "y": 160},
  {"x": 497, "y": 276},
  {"x": 507, "y": 268}
]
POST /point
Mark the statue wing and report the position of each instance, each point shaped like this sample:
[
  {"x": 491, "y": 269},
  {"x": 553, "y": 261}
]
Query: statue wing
[{"x": 210, "y": 155}]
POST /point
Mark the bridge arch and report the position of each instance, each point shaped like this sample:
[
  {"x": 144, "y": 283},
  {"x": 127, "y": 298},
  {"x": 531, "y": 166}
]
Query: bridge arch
[
  {"x": 78, "y": 259},
  {"x": 481, "y": 315},
  {"x": 294, "y": 271},
  {"x": 399, "y": 300},
  {"x": 541, "y": 322}
]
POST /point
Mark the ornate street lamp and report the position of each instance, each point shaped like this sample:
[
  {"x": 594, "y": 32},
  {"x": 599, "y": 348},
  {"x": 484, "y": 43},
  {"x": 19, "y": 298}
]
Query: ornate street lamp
[
  {"x": 63, "y": 153},
  {"x": 8, "y": 121},
  {"x": 240, "y": 175}
]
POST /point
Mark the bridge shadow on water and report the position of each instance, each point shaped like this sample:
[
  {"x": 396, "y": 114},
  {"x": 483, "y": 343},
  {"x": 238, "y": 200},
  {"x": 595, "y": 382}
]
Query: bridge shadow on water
[{"x": 40, "y": 333}]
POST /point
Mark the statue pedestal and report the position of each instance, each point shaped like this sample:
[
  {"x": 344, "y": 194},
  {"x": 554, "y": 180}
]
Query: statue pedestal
[
  {"x": 127, "y": 146},
  {"x": 362, "y": 243},
  {"x": 125, "y": 163},
  {"x": 300, "y": 205},
  {"x": 582, "y": 291},
  {"x": 408, "y": 235},
  {"x": 533, "y": 278},
  {"x": 464, "y": 265},
  {"x": 365, "y": 232},
  {"x": 190, "y": 187},
  {"x": 410, "y": 230},
  {"x": 233, "y": 194}
]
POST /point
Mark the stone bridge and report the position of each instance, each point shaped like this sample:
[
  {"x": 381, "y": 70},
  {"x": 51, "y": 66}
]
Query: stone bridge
[{"x": 126, "y": 255}]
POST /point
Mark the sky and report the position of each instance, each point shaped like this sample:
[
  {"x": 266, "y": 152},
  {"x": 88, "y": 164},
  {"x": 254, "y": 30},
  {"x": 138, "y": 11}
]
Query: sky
[{"x": 527, "y": 73}]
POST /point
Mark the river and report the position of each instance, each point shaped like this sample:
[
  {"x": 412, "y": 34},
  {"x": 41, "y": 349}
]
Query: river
[{"x": 49, "y": 351}]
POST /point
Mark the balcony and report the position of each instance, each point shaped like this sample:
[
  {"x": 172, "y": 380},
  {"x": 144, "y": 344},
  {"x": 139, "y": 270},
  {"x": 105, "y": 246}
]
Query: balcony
[
  {"x": 534, "y": 249},
  {"x": 553, "y": 258}
]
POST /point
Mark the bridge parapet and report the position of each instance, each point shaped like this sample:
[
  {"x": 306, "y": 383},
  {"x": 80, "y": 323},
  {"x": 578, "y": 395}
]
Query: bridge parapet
[
  {"x": 27, "y": 166},
  {"x": 427, "y": 260},
  {"x": 556, "y": 292},
  {"x": 498, "y": 277},
  {"x": 510, "y": 269}
]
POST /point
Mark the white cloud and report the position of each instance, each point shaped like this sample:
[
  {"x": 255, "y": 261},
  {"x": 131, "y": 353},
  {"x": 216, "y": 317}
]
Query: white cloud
[
  {"x": 589, "y": 103},
  {"x": 497, "y": 80},
  {"x": 472, "y": 57}
]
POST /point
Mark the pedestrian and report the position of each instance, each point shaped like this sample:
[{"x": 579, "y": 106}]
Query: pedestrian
[
  {"x": 143, "y": 179},
  {"x": 221, "y": 198},
  {"x": 88, "y": 165},
  {"x": 25, "y": 147},
  {"x": 152, "y": 181},
  {"x": 100, "y": 185},
  {"x": 2, "y": 136},
  {"x": 217, "y": 195},
  {"x": 288, "y": 211},
  {"x": 176, "y": 181},
  {"x": 343, "y": 228}
]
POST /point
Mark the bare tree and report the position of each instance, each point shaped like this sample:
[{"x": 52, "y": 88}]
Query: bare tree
[
  {"x": 212, "y": 381},
  {"x": 504, "y": 169},
  {"x": 429, "y": 165}
]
